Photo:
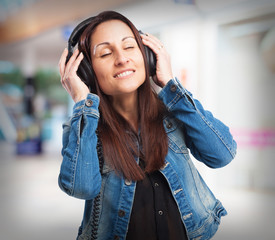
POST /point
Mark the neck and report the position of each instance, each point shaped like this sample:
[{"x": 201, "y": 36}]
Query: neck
[{"x": 127, "y": 106}]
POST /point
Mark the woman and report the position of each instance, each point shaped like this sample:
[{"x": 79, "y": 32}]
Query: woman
[{"x": 147, "y": 186}]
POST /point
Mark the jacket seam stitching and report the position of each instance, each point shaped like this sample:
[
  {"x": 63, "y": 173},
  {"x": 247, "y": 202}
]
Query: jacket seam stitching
[
  {"x": 76, "y": 157},
  {"x": 216, "y": 132}
]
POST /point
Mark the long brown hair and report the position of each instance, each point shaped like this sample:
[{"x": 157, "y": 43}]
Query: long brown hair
[{"x": 118, "y": 138}]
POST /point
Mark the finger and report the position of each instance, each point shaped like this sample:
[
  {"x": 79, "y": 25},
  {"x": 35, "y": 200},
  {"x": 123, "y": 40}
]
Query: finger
[
  {"x": 76, "y": 63},
  {"x": 74, "y": 56},
  {"x": 62, "y": 67},
  {"x": 154, "y": 46},
  {"x": 151, "y": 38},
  {"x": 69, "y": 64},
  {"x": 71, "y": 60},
  {"x": 70, "y": 73},
  {"x": 62, "y": 61},
  {"x": 154, "y": 38},
  {"x": 63, "y": 81},
  {"x": 65, "y": 86}
]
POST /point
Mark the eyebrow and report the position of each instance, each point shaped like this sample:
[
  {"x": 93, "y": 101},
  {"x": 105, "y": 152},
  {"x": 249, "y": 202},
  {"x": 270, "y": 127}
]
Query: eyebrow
[{"x": 108, "y": 43}]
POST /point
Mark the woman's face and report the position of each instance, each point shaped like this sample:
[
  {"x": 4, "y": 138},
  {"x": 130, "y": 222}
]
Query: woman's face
[{"x": 117, "y": 60}]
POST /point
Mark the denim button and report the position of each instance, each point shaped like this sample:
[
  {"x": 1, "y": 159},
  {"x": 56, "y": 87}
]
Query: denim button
[
  {"x": 160, "y": 212},
  {"x": 89, "y": 103},
  {"x": 156, "y": 184},
  {"x": 121, "y": 213},
  {"x": 173, "y": 88},
  {"x": 169, "y": 125},
  {"x": 128, "y": 182}
]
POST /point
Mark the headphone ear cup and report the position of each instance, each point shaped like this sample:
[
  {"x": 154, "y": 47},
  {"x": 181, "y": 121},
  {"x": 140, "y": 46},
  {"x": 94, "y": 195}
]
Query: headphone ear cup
[
  {"x": 86, "y": 74},
  {"x": 152, "y": 60},
  {"x": 85, "y": 71}
]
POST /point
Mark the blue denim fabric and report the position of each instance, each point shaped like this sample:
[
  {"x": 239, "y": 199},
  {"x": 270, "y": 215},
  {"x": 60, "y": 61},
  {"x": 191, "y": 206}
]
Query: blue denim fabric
[{"x": 189, "y": 128}]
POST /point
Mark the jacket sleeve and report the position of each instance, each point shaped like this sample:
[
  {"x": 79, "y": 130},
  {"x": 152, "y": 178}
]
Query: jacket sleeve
[
  {"x": 208, "y": 139},
  {"x": 79, "y": 173}
]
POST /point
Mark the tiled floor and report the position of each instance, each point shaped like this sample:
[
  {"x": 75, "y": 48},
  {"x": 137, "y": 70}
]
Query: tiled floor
[{"x": 34, "y": 208}]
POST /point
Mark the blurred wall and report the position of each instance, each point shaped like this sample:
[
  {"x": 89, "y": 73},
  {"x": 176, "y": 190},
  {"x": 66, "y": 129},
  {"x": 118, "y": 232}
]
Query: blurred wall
[{"x": 218, "y": 52}]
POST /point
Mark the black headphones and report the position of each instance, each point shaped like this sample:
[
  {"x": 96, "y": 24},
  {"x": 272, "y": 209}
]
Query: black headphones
[{"x": 85, "y": 70}]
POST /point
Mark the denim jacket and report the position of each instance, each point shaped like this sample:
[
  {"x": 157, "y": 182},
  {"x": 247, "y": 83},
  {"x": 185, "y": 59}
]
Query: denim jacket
[{"x": 189, "y": 128}]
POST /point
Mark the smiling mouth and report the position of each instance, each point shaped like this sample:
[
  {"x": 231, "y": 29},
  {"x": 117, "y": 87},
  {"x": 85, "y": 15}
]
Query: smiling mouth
[{"x": 124, "y": 74}]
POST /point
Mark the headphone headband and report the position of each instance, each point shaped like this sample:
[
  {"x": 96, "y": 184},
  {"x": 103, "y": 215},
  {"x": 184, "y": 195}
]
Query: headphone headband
[{"x": 78, "y": 30}]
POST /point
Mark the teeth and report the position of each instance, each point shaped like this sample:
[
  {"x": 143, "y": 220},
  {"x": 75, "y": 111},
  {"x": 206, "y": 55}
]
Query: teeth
[{"x": 124, "y": 74}]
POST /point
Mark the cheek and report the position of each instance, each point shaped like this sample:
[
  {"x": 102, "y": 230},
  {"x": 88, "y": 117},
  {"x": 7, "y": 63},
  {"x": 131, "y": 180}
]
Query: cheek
[
  {"x": 142, "y": 66},
  {"x": 140, "y": 58},
  {"x": 101, "y": 73},
  {"x": 97, "y": 70},
  {"x": 104, "y": 86},
  {"x": 141, "y": 62}
]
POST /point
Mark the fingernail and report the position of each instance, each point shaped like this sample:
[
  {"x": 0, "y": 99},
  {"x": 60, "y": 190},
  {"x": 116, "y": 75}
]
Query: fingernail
[{"x": 144, "y": 34}]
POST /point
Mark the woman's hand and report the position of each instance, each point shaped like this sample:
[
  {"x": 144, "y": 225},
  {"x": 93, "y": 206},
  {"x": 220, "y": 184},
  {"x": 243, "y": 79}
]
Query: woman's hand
[
  {"x": 69, "y": 79},
  {"x": 163, "y": 68}
]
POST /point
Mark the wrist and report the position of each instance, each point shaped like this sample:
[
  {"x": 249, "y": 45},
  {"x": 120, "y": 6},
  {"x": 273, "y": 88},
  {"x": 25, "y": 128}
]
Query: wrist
[
  {"x": 80, "y": 98},
  {"x": 164, "y": 83}
]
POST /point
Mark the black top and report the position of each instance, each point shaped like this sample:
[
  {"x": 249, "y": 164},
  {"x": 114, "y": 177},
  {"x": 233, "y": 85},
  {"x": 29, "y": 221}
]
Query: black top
[{"x": 155, "y": 214}]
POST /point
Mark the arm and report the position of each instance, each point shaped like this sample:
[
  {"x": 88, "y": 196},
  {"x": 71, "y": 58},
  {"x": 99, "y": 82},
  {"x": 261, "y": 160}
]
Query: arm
[
  {"x": 79, "y": 173},
  {"x": 208, "y": 139}
]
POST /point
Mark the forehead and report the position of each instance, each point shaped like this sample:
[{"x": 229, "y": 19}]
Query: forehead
[{"x": 110, "y": 31}]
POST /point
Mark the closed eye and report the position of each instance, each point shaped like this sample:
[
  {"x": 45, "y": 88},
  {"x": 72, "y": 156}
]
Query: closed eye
[
  {"x": 129, "y": 47},
  {"x": 105, "y": 55}
]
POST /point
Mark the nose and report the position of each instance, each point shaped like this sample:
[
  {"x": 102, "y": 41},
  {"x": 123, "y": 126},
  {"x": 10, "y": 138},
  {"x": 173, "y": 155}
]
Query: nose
[{"x": 121, "y": 58}]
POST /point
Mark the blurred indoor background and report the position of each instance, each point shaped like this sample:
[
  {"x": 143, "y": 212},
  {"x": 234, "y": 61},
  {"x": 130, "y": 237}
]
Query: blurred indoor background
[{"x": 223, "y": 51}]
